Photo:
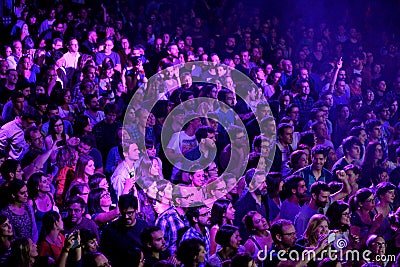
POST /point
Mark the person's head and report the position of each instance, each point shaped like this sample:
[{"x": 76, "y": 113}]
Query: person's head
[
  {"x": 298, "y": 159},
  {"x": 228, "y": 236},
  {"x": 81, "y": 190},
  {"x": 97, "y": 259},
  {"x": 373, "y": 152},
  {"x": 206, "y": 135},
  {"x": 378, "y": 175},
  {"x": 73, "y": 45},
  {"x": 222, "y": 210},
  {"x": 191, "y": 251},
  {"x": 197, "y": 176},
  {"x": 128, "y": 206},
  {"x": 84, "y": 167},
  {"x": 51, "y": 221},
  {"x": 285, "y": 133},
  {"x": 56, "y": 127},
  {"x": 255, "y": 223},
  {"x": 320, "y": 130},
  {"x": 360, "y": 133},
  {"x": 199, "y": 215},
  {"x": 317, "y": 226},
  {"x": 352, "y": 147},
  {"x": 8, "y": 169},
  {"x": 23, "y": 252},
  {"x": 111, "y": 112},
  {"x": 320, "y": 194},
  {"x": 363, "y": 199},
  {"x": 76, "y": 209},
  {"x": 268, "y": 126},
  {"x": 385, "y": 192},
  {"x": 226, "y": 96},
  {"x": 353, "y": 173},
  {"x": 339, "y": 215},
  {"x": 373, "y": 127},
  {"x": 152, "y": 238},
  {"x": 319, "y": 157},
  {"x": 6, "y": 228},
  {"x": 303, "y": 87},
  {"x": 148, "y": 167},
  {"x": 376, "y": 244},
  {"x": 294, "y": 185},
  {"x": 38, "y": 183},
  {"x": 89, "y": 241},
  {"x": 283, "y": 233},
  {"x": 274, "y": 184}
]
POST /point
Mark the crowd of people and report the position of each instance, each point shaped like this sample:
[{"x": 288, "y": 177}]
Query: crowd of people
[{"x": 195, "y": 135}]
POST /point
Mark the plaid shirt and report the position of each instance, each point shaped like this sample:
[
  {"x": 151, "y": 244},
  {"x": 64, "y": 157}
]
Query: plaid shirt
[
  {"x": 170, "y": 222},
  {"x": 304, "y": 108},
  {"x": 193, "y": 233}
]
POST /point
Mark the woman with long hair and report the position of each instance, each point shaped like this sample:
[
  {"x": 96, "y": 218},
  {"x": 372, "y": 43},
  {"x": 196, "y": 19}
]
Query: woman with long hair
[
  {"x": 51, "y": 240},
  {"x": 23, "y": 253},
  {"x": 317, "y": 226},
  {"x": 257, "y": 226},
  {"x": 6, "y": 236},
  {"x": 385, "y": 194},
  {"x": 66, "y": 162},
  {"x": 341, "y": 124},
  {"x": 229, "y": 239},
  {"x": 191, "y": 252},
  {"x": 84, "y": 169},
  {"x": 298, "y": 160},
  {"x": 19, "y": 212},
  {"x": 363, "y": 220},
  {"x": 373, "y": 158},
  {"x": 65, "y": 108},
  {"x": 56, "y": 134},
  {"x": 82, "y": 126},
  {"x": 100, "y": 207},
  {"x": 273, "y": 82},
  {"x": 222, "y": 212},
  {"x": 40, "y": 197}
]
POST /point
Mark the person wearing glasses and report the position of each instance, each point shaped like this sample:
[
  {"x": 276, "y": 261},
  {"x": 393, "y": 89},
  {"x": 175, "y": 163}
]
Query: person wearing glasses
[
  {"x": 199, "y": 217},
  {"x": 76, "y": 220},
  {"x": 123, "y": 235},
  {"x": 284, "y": 236},
  {"x": 377, "y": 246}
]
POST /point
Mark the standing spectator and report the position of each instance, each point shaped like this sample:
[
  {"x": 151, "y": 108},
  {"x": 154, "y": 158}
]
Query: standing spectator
[
  {"x": 19, "y": 212},
  {"x": 124, "y": 233},
  {"x": 108, "y": 53},
  {"x": 295, "y": 189}
]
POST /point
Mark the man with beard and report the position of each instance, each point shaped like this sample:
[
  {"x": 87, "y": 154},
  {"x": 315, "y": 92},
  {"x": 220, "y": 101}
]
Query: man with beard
[
  {"x": 199, "y": 216},
  {"x": 76, "y": 220},
  {"x": 154, "y": 245},
  {"x": 320, "y": 200},
  {"x": 205, "y": 151},
  {"x": 229, "y": 50},
  {"x": 93, "y": 106},
  {"x": 123, "y": 235},
  {"x": 171, "y": 59},
  {"x": 283, "y": 149},
  {"x": 254, "y": 199},
  {"x": 295, "y": 189},
  {"x": 320, "y": 197}
]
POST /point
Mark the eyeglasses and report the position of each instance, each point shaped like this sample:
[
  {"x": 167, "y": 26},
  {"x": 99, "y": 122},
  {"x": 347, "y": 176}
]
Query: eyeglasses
[
  {"x": 58, "y": 125},
  {"x": 346, "y": 214},
  {"x": 380, "y": 244},
  {"x": 205, "y": 214},
  {"x": 293, "y": 234},
  {"x": 187, "y": 197},
  {"x": 129, "y": 213},
  {"x": 40, "y": 138}
]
